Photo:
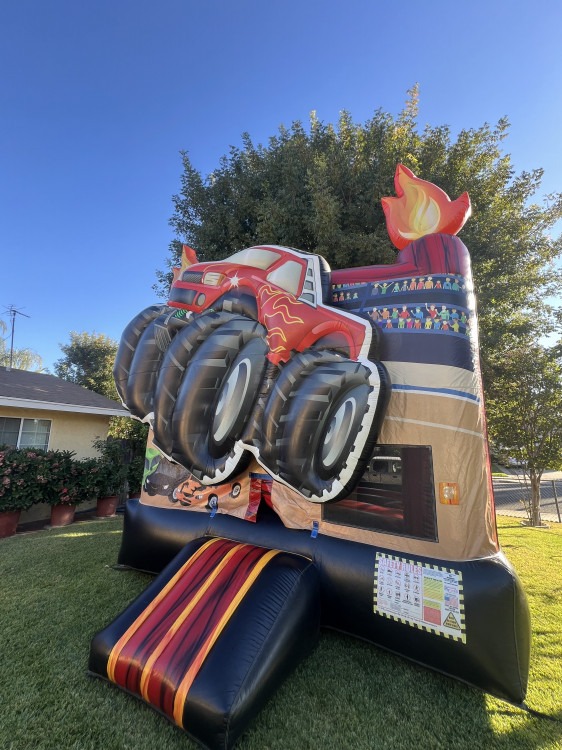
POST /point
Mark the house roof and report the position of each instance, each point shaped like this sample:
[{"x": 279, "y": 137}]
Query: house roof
[{"x": 34, "y": 390}]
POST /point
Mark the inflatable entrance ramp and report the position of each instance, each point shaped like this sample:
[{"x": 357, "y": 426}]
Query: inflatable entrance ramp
[{"x": 212, "y": 637}]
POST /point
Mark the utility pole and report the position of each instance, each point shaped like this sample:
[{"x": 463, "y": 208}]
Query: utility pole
[{"x": 12, "y": 312}]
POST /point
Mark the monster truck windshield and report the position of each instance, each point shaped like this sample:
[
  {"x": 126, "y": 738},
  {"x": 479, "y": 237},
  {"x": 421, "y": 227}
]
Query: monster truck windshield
[
  {"x": 287, "y": 276},
  {"x": 254, "y": 257}
]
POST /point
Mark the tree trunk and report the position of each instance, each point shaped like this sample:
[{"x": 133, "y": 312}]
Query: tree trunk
[{"x": 535, "y": 499}]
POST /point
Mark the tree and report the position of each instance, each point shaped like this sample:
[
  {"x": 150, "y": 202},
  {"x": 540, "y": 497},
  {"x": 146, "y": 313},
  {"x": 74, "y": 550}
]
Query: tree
[
  {"x": 88, "y": 361},
  {"x": 524, "y": 406},
  {"x": 21, "y": 359},
  {"x": 319, "y": 189}
]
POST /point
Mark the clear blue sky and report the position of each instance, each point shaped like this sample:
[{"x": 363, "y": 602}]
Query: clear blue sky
[{"x": 97, "y": 99}]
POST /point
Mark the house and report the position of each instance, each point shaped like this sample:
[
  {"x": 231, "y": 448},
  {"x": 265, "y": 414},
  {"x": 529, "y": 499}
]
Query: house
[{"x": 43, "y": 411}]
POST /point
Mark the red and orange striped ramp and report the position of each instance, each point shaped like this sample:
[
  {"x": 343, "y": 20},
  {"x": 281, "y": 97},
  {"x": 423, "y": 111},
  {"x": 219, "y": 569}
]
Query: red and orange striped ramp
[{"x": 213, "y": 636}]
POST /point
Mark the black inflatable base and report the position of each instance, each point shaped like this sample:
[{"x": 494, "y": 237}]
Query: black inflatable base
[
  {"x": 273, "y": 627},
  {"x": 494, "y": 656}
]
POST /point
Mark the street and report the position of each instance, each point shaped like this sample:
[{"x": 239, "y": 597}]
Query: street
[{"x": 509, "y": 494}]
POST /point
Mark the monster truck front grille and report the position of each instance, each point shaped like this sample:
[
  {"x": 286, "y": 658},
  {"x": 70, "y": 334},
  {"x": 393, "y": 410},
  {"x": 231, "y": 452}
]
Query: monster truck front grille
[
  {"x": 183, "y": 296},
  {"x": 194, "y": 277}
]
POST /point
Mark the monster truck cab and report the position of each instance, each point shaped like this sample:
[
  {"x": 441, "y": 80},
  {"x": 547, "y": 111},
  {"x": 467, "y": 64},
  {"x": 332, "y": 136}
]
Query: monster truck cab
[{"x": 283, "y": 288}]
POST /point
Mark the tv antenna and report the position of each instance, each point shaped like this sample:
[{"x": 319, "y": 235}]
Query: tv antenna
[{"x": 12, "y": 312}]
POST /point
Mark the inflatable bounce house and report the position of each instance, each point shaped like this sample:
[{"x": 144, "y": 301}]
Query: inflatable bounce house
[{"x": 317, "y": 458}]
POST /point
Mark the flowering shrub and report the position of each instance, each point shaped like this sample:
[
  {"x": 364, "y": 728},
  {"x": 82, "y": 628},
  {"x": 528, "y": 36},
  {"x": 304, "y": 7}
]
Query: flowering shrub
[
  {"x": 35, "y": 476},
  {"x": 63, "y": 487},
  {"x": 56, "y": 477},
  {"x": 20, "y": 480},
  {"x": 87, "y": 473},
  {"x": 112, "y": 467}
]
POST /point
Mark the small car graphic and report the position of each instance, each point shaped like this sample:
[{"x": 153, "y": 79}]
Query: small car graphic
[{"x": 192, "y": 493}]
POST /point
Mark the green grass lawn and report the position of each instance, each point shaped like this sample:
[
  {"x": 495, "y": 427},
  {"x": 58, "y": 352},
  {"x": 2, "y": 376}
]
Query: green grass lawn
[{"x": 58, "y": 588}]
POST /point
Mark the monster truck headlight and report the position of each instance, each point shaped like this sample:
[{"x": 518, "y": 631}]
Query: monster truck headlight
[{"x": 212, "y": 278}]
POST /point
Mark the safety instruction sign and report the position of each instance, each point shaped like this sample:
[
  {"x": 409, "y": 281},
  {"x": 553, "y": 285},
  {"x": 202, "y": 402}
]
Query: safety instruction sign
[{"x": 421, "y": 595}]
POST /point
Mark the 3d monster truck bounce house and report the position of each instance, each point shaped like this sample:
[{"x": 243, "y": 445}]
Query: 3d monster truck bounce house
[{"x": 317, "y": 458}]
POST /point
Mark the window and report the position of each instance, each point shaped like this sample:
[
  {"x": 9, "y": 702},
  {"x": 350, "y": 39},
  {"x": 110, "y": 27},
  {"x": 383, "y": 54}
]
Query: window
[
  {"x": 395, "y": 494},
  {"x": 9, "y": 431},
  {"x": 25, "y": 433},
  {"x": 254, "y": 257},
  {"x": 287, "y": 276}
]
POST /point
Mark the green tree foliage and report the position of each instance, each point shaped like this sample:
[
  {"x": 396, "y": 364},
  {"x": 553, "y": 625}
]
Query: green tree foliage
[
  {"x": 22, "y": 359},
  {"x": 134, "y": 433},
  {"x": 88, "y": 361},
  {"x": 524, "y": 406},
  {"x": 319, "y": 189}
]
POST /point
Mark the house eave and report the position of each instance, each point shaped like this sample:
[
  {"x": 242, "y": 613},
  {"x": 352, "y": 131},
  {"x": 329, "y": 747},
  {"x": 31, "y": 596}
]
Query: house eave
[{"x": 23, "y": 403}]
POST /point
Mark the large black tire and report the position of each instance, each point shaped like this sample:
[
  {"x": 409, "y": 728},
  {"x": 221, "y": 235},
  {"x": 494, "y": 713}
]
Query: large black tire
[
  {"x": 321, "y": 423},
  {"x": 128, "y": 346},
  {"x": 145, "y": 366},
  {"x": 179, "y": 354},
  {"x": 216, "y": 398}
]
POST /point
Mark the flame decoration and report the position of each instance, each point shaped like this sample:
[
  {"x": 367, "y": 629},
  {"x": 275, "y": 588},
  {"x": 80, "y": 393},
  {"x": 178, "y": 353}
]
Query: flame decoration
[
  {"x": 421, "y": 208},
  {"x": 274, "y": 305}
]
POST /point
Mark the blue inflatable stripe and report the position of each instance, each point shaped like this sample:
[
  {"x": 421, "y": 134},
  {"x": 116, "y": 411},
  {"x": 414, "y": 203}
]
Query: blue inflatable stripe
[
  {"x": 426, "y": 347},
  {"x": 440, "y": 391}
]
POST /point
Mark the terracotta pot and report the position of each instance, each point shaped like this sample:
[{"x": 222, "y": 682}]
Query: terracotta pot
[
  {"x": 106, "y": 506},
  {"x": 9, "y": 520},
  {"x": 62, "y": 515}
]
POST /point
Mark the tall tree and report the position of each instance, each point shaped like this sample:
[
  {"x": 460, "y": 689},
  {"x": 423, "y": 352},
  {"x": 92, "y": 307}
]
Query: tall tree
[
  {"x": 319, "y": 189},
  {"x": 88, "y": 361},
  {"x": 21, "y": 359},
  {"x": 524, "y": 405}
]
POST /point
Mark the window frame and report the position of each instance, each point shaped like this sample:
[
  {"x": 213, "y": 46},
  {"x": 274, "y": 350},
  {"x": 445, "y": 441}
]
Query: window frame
[
  {"x": 20, "y": 430},
  {"x": 408, "y": 526}
]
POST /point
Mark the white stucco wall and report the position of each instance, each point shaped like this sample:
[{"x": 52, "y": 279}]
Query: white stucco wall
[{"x": 69, "y": 431}]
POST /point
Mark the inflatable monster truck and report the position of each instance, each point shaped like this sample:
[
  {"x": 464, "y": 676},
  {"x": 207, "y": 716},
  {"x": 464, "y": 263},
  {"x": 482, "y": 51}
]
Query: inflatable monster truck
[{"x": 248, "y": 357}]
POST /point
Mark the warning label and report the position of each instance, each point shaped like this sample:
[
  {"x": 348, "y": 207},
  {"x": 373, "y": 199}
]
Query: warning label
[
  {"x": 451, "y": 622},
  {"x": 421, "y": 595}
]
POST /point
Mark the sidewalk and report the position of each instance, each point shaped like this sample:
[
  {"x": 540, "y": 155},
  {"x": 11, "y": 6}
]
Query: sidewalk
[{"x": 522, "y": 514}]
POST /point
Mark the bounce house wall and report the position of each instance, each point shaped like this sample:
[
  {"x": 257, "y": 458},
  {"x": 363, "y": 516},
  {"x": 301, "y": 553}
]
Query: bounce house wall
[{"x": 425, "y": 309}]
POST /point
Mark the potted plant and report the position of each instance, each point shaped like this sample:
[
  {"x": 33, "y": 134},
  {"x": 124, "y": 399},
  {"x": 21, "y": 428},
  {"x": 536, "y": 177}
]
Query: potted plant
[
  {"x": 85, "y": 472},
  {"x": 18, "y": 486},
  {"x": 111, "y": 476},
  {"x": 62, "y": 490}
]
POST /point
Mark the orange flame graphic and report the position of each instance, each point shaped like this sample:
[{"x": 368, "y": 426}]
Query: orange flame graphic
[
  {"x": 188, "y": 258},
  {"x": 275, "y": 309},
  {"x": 421, "y": 208}
]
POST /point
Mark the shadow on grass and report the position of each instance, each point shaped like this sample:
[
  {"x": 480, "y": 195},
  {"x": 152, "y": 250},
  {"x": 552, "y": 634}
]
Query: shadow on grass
[{"x": 352, "y": 695}]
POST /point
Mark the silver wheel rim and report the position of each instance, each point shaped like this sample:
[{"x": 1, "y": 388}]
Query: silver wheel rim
[
  {"x": 231, "y": 398},
  {"x": 338, "y": 432}
]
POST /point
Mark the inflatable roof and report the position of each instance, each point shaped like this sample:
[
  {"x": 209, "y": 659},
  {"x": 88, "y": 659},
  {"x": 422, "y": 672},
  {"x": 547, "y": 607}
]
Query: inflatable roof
[{"x": 317, "y": 439}]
